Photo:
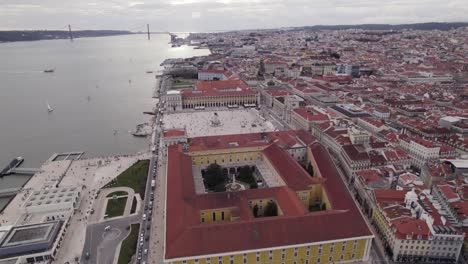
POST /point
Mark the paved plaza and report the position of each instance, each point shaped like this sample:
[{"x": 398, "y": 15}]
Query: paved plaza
[{"x": 198, "y": 124}]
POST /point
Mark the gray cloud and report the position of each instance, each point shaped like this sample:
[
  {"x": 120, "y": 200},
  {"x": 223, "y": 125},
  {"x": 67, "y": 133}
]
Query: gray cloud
[{"x": 204, "y": 15}]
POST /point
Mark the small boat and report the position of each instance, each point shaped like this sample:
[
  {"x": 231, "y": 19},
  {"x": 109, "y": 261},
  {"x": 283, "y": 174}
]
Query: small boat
[
  {"x": 115, "y": 132},
  {"x": 49, "y": 70},
  {"x": 149, "y": 71},
  {"x": 49, "y": 108}
]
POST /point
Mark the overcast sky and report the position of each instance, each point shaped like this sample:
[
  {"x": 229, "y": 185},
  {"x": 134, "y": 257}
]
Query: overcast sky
[{"x": 209, "y": 15}]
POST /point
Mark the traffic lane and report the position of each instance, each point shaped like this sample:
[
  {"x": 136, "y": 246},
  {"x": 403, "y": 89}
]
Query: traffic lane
[
  {"x": 142, "y": 245},
  {"x": 111, "y": 239},
  {"x": 94, "y": 236},
  {"x": 147, "y": 223}
]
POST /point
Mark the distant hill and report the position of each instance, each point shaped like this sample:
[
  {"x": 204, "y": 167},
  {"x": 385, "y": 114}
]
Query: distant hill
[
  {"x": 417, "y": 26},
  {"x": 30, "y": 35}
]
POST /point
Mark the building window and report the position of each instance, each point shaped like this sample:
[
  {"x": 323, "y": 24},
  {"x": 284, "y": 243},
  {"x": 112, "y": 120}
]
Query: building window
[
  {"x": 330, "y": 259},
  {"x": 203, "y": 220},
  {"x": 220, "y": 260},
  {"x": 222, "y": 216},
  {"x": 208, "y": 261},
  {"x": 214, "y": 216}
]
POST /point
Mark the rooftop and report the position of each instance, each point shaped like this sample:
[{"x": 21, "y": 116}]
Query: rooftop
[{"x": 186, "y": 236}]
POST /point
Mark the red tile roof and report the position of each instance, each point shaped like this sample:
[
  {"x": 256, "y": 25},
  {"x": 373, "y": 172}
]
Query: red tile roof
[
  {"x": 390, "y": 196},
  {"x": 408, "y": 226},
  {"x": 311, "y": 115},
  {"x": 283, "y": 138},
  {"x": 277, "y": 92},
  {"x": 449, "y": 193},
  {"x": 186, "y": 236},
  {"x": 174, "y": 133},
  {"x": 219, "y": 88},
  {"x": 289, "y": 169},
  {"x": 356, "y": 152}
]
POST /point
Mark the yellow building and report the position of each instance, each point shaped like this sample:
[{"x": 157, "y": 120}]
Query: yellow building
[
  {"x": 316, "y": 221},
  {"x": 227, "y": 93}
]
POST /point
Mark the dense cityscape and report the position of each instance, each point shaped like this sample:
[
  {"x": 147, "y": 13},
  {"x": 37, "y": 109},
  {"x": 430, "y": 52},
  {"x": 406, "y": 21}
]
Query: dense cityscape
[{"x": 293, "y": 146}]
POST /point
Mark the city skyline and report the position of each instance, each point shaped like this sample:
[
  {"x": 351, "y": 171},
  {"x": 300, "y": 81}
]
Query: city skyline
[{"x": 209, "y": 15}]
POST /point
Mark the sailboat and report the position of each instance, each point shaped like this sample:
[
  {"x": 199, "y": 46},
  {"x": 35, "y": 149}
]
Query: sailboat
[{"x": 49, "y": 108}]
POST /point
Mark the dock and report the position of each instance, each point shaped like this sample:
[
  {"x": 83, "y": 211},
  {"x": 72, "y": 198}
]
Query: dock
[
  {"x": 11, "y": 166},
  {"x": 9, "y": 192},
  {"x": 66, "y": 156},
  {"x": 157, "y": 86}
]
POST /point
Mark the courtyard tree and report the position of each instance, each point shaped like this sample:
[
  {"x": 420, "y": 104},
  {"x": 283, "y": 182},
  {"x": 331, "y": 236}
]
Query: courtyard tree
[
  {"x": 246, "y": 175},
  {"x": 271, "y": 209},
  {"x": 214, "y": 175},
  {"x": 255, "y": 210}
]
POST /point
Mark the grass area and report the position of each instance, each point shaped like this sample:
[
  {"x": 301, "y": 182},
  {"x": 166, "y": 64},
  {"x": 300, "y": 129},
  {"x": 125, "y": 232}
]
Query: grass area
[
  {"x": 129, "y": 245},
  {"x": 134, "y": 177},
  {"x": 180, "y": 87},
  {"x": 115, "y": 207},
  {"x": 118, "y": 193},
  {"x": 178, "y": 82}
]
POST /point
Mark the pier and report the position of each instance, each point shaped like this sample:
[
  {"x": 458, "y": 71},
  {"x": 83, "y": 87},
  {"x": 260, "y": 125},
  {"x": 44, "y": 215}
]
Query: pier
[
  {"x": 9, "y": 192},
  {"x": 26, "y": 171},
  {"x": 66, "y": 156}
]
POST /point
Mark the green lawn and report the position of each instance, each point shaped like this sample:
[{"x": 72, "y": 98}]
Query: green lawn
[
  {"x": 116, "y": 207},
  {"x": 118, "y": 193},
  {"x": 129, "y": 245},
  {"x": 178, "y": 82},
  {"x": 134, "y": 177}
]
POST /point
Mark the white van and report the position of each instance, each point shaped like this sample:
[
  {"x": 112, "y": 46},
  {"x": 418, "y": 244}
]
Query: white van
[{"x": 144, "y": 217}]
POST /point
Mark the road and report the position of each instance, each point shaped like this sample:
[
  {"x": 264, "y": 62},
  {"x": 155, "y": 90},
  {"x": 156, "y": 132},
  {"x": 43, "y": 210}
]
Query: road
[
  {"x": 101, "y": 244},
  {"x": 149, "y": 203}
]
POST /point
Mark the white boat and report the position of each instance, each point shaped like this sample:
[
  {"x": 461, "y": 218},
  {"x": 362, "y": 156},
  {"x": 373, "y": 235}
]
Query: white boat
[{"x": 49, "y": 108}]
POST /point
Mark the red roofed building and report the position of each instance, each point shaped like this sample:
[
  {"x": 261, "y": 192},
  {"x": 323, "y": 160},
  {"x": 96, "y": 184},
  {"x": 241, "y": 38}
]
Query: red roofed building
[
  {"x": 222, "y": 228},
  {"x": 308, "y": 119},
  {"x": 452, "y": 199},
  {"x": 218, "y": 94},
  {"x": 414, "y": 231},
  {"x": 274, "y": 92},
  {"x": 371, "y": 124},
  {"x": 174, "y": 136}
]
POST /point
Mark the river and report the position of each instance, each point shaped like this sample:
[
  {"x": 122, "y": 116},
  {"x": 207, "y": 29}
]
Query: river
[{"x": 99, "y": 85}]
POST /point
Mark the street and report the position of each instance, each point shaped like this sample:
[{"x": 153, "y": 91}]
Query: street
[{"x": 101, "y": 244}]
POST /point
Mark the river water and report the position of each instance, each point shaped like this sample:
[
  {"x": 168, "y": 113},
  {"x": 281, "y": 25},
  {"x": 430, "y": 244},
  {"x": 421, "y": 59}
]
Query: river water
[{"x": 99, "y": 85}]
